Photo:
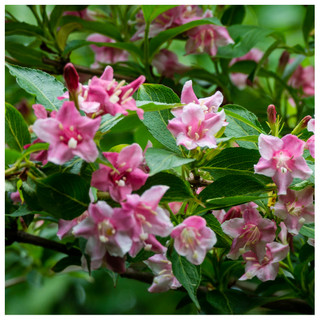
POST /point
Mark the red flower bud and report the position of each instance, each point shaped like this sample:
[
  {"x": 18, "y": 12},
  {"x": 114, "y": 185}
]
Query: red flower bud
[
  {"x": 284, "y": 59},
  {"x": 304, "y": 121},
  {"x": 272, "y": 114},
  {"x": 71, "y": 77}
]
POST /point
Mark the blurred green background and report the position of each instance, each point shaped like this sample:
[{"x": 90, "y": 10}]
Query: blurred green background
[{"x": 31, "y": 288}]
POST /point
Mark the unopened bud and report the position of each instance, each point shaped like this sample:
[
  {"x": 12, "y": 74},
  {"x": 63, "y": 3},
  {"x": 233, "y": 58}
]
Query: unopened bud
[
  {"x": 284, "y": 59},
  {"x": 301, "y": 125},
  {"x": 305, "y": 121},
  {"x": 71, "y": 77},
  {"x": 272, "y": 114}
]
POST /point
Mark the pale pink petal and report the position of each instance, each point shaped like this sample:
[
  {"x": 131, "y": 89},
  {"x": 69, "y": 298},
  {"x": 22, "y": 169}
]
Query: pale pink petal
[
  {"x": 268, "y": 145},
  {"x": 47, "y": 130},
  {"x": 233, "y": 227},
  {"x": 187, "y": 94},
  {"x": 293, "y": 144}
]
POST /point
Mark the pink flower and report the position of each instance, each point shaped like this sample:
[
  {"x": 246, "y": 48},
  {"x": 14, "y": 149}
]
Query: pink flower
[
  {"x": 282, "y": 160},
  {"x": 250, "y": 232},
  {"x": 125, "y": 175},
  {"x": 65, "y": 226},
  {"x": 15, "y": 197},
  {"x": 193, "y": 239},
  {"x": 207, "y": 38},
  {"x": 84, "y": 14},
  {"x": 194, "y": 127},
  {"x": 268, "y": 268},
  {"x": 295, "y": 208},
  {"x": 69, "y": 134},
  {"x": 106, "y": 229},
  {"x": 105, "y": 95},
  {"x": 149, "y": 218},
  {"x": 175, "y": 206},
  {"x": 167, "y": 63},
  {"x": 164, "y": 279},
  {"x": 240, "y": 79},
  {"x": 311, "y": 140},
  {"x": 303, "y": 79},
  {"x": 105, "y": 55}
]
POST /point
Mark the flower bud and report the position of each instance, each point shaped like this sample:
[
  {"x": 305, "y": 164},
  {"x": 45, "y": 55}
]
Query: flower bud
[
  {"x": 71, "y": 77},
  {"x": 272, "y": 114},
  {"x": 283, "y": 61},
  {"x": 301, "y": 125}
]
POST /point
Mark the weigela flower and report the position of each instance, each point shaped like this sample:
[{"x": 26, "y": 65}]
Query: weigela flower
[
  {"x": 303, "y": 79},
  {"x": 268, "y": 268},
  {"x": 282, "y": 160},
  {"x": 192, "y": 239},
  {"x": 84, "y": 14},
  {"x": 164, "y": 279},
  {"x": 240, "y": 79},
  {"x": 149, "y": 217},
  {"x": 251, "y": 232},
  {"x": 195, "y": 127},
  {"x": 69, "y": 134},
  {"x": 105, "y": 55},
  {"x": 106, "y": 229},
  {"x": 295, "y": 208},
  {"x": 125, "y": 175},
  {"x": 15, "y": 197},
  {"x": 311, "y": 140}
]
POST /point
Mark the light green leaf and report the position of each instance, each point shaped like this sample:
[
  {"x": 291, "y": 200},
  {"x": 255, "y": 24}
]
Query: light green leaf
[
  {"x": 150, "y": 12},
  {"x": 11, "y": 156},
  {"x": 40, "y": 84},
  {"x": 64, "y": 33},
  {"x": 307, "y": 230},
  {"x": 16, "y": 130},
  {"x": 160, "y": 159}
]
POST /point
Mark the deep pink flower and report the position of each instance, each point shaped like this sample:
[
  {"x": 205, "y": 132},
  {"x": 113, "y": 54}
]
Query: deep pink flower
[
  {"x": 105, "y": 95},
  {"x": 195, "y": 127},
  {"x": 105, "y": 55},
  {"x": 282, "y": 160},
  {"x": 192, "y": 239},
  {"x": 149, "y": 218},
  {"x": 164, "y": 279},
  {"x": 69, "y": 134},
  {"x": 167, "y": 63},
  {"x": 71, "y": 77},
  {"x": 268, "y": 268},
  {"x": 175, "y": 206},
  {"x": 303, "y": 79},
  {"x": 125, "y": 175},
  {"x": 295, "y": 208},
  {"x": 240, "y": 79},
  {"x": 106, "y": 229},
  {"x": 251, "y": 232},
  {"x": 311, "y": 140}
]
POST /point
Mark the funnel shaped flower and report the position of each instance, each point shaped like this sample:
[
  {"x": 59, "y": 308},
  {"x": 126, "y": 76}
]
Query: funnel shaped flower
[
  {"x": 69, "y": 134},
  {"x": 268, "y": 268},
  {"x": 106, "y": 230},
  {"x": 105, "y": 95},
  {"x": 164, "y": 279},
  {"x": 125, "y": 176},
  {"x": 194, "y": 127},
  {"x": 282, "y": 160},
  {"x": 192, "y": 239},
  {"x": 251, "y": 232},
  {"x": 295, "y": 208},
  {"x": 148, "y": 217}
]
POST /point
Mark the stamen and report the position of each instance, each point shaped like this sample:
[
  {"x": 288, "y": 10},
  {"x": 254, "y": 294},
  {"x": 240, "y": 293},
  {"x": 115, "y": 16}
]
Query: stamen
[
  {"x": 71, "y": 128},
  {"x": 111, "y": 84},
  {"x": 120, "y": 84},
  {"x": 79, "y": 137},
  {"x": 60, "y": 126},
  {"x": 122, "y": 164},
  {"x": 127, "y": 94},
  {"x": 61, "y": 138},
  {"x": 72, "y": 143},
  {"x": 114, "y": 99},
  {"x": 125, "y": 101}
]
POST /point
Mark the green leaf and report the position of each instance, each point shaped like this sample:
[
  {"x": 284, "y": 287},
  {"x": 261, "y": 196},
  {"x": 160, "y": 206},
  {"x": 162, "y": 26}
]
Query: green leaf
[
  {"x": 308, "y": 23},
  {"x": 40, "y": 84},
  {"x": 166, "y": 35},
  {"x": 233, "y": 15},
  {"x": 223, "y": 241},
  {"x": 245, "y": 66},
  {"x": 157, "y": 121},
  {"x": 148, "y": 106},
  {"x": 241, "y": 123},
  {"x": 11, "y": 156},
  {"x": 106, "y": 28},
  {"x": 232, "y": 190},
  {"x": 160, "y": 159},
  {"x": 16, "y": 130},
  {"x": 23, "y": 28},
  {"x": 187, "y": 274},
  {"x": 64, "y": 33},
  {"x": 239, "y": 161},
  {"x": 130, "y": 47},
  {"x": 108, "y": 121},
  {"x": 36, "y": 147},
  {"x": 179, "y": 191},
  {"x": 63, "y": 195},
  {"x": 55, "y": 17},
  {"x": 151, "y": 12},
  {"x": 66, "y": 262},
  {"x": 246, "y": 37},
  {"x": 307, "y": 230}
]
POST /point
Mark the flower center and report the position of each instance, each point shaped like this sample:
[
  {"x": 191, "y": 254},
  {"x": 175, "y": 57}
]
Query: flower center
[
  {"x": 251, "y": 233},
  {"x": 70, "y": 136},
  {"x": 293, "y": 209},
  {"x": 105, "y": 230},
  {"x": 283, "y": 161},
  {"x": 189, "y": 237}
]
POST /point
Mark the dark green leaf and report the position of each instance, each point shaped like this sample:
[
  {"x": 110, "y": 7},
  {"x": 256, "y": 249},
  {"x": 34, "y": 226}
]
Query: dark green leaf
[
  {"x": 65, "y": 195},
  {"x": 11, "y": 156},
  {"x": 64, "y": 33},
  {"x": 308, "y": 23},
  {"x": 245, "y": 66},
  {"x": 23, "y": 28},
  {"x": 55, "y": 17},
  {"x": 36, "y": 147},
  {"x": 160, "y": 159},
  {"x": 44, "y": 86},
  {"x": 233, "y": 15},
  {"x": 108, "y": 121},
  {"x": 223, "y": 241},
  {"x": 66, "y": 262},
  {"x": 148, "y": 106},
  {"x": 166, "y": 35},
  {"x": 187, "y": 274},
  {"x": 16, "y": 129},
  {"x": 179, "y": 191},
  {"x": 150, "y": 12}
]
